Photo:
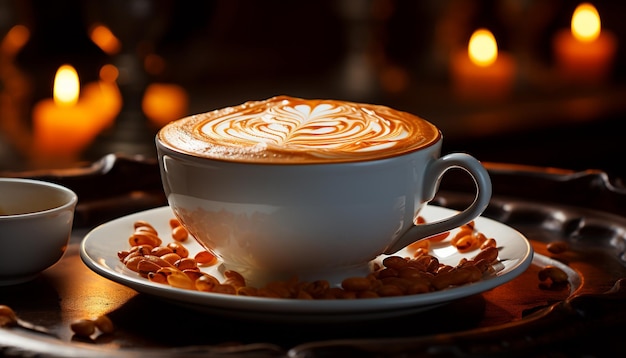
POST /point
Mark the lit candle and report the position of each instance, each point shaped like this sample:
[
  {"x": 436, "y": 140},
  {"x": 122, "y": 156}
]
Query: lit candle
[
  {"x": 62, "y": 125},
  {"x": 585, "y": 54},
  {"x": 163, "y": 103},
  {"x": 481, "y": 72}
]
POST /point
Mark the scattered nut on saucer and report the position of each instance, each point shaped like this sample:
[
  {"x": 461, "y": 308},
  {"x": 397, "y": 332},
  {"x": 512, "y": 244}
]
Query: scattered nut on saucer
[{"x": 170, "y": 263}]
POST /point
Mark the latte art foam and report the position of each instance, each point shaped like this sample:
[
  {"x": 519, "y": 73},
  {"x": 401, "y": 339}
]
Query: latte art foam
[{"x": 293, "y": 130}]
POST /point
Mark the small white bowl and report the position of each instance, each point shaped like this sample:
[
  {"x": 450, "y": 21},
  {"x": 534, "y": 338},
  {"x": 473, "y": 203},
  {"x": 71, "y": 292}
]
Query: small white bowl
[{"x": 36, "y": 220}]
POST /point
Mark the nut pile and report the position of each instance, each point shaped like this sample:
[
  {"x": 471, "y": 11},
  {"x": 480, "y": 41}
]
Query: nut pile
[{"x": 170, "y": 263}]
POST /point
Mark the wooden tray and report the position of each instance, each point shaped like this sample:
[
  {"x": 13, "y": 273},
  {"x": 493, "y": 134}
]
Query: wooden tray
[{"x": 521, "y": 318}]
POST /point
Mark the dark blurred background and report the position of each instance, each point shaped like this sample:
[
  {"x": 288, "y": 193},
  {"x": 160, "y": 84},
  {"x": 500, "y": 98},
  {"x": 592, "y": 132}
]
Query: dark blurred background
[{"x": 206, "y": 55}]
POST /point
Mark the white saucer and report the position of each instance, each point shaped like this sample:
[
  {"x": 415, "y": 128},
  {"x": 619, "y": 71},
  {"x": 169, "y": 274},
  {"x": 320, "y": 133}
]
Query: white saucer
[{"x": 100, "y": 246}]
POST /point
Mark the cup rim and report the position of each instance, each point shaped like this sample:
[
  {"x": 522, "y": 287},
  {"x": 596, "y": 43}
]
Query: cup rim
[
  {"x": 73, "y": 197},
  {"x": 164, "y": 148}
]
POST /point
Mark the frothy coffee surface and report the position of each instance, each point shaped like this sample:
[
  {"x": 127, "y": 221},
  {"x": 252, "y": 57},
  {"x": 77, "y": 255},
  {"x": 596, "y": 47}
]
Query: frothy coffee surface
[{"x": 293, "y": 130}]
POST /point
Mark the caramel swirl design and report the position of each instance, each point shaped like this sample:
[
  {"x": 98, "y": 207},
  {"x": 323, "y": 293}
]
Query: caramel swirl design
[{"x": 287, "y": 129}]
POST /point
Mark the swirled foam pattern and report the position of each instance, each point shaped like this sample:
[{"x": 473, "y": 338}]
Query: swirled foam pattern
[{"x": 294, "y": 130}]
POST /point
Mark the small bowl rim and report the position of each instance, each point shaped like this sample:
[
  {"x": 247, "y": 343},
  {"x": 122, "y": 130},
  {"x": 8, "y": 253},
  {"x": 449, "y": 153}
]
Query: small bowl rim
[{"x": 67, "y": 205}]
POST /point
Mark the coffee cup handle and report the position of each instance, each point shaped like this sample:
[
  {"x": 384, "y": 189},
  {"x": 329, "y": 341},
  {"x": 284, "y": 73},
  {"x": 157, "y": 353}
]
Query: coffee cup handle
[{"x": 432, "y": 178}]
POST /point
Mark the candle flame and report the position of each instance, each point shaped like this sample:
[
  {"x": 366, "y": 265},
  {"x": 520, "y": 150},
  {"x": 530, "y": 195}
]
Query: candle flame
[
  {"x": 586, "y": 23},
  {"x": 482, "y": 48},
  {"x": 66, "y": 86}
]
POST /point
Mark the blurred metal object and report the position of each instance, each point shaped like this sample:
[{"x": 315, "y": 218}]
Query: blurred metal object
[
  {"x": 116, "y": 181},
  {"x": 111, "y": 186},
  {"x": 592, "y": 189}
]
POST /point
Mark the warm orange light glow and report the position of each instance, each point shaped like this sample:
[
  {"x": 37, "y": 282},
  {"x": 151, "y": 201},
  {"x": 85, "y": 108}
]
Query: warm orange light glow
[
  {"x": 586, "y": 23},
  {"x": 163, "y": 102},
  {"x": 154, "y": 64},
  {"x": 66, "y": 86},
  {"x": 482, "y": 48},
  {"x": 15, "y": 39},
  {"x": 109, "y": 73},
  {"x": 105, "y": 39}
]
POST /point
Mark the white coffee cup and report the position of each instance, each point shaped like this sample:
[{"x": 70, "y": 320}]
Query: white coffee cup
[
  {"x": 36, "y": 220},
  {"x": 309, "y": 188}
]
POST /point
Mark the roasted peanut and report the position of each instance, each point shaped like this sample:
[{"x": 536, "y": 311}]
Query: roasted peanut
[
  {"x": 490, "y": 242},
  {"x": 554, "y": 274},
  {"x": 418, "y": 286},
  {"x": 178, "y": 248},
  {"x": 158, "y": 277},
  {"x": 141, "y": 238},
  {"x": 463, "y": 231},
  {"x": 83, "y": 327},
  {"x": 367, "y": 294},
  {"x": 419, "y": 246},
  {"x": 344, "y": 295},
  {"x": 130, "y": 256},
  {"x": 142, "y": 249},
  {"x": 133, "y": 262},
  {"x": 161, "y": 250},
  {"x": 159, "y": 261},
  {"x": 179, "y": 279},
  {"x": 142, "y": 225},
  {"x": 420, "y": 252},
  {"x": 482, "y": 265},
  {"x": 247, "y": 291},
  {"x": 411, "y": 272},
  {"x": 303, "y": 295},
  {"x": 186, "y": 263},
  {"x": 457, "y": 277},
  {"x": 433, "y": 265},
  {"x": 225, "y": 289},
  {"x": 8, "y": 317},
  {"x": 206, "y": 283},
  {"x": 317, "y": 288},
  {"x": 234, "y": 278},
  {"x": 356, "y": 284},
  {"x": 278, "y": 291},
  {"x": 174, "y": 223},
  {"x": 389, "y": 290},
  {"x": 179, "y": 233},
  {"x": 557, "y": 247},
  {"x": 104, "y": 324},
  {"x": 172, "y": 257},
  {"x": 205, "y": 258},
  {"x": 466, "y": 243},
  {"x": 439, "y": 237},
  {"x": 146, "y": 266},
  {"x": 194, "y": 273},
  {"x": 490, "y": 254},
  {"x": 395, "y": 262},
  {"x": 387, "y": 272},
  {"x": 266, "y": 292},
  {"x": 122, "y": 254}
]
